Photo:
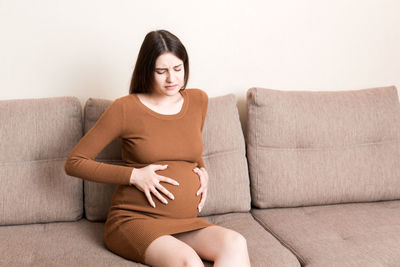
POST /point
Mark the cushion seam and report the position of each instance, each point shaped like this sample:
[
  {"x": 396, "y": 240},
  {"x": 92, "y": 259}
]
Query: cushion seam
[
  {"x": 222, "y": 153},
  {"x": 113, "y": 160},
  {"x": 262, "y": 147},
  {"x": 285, "y": 244},
  {"x": 38, "y": 160}
]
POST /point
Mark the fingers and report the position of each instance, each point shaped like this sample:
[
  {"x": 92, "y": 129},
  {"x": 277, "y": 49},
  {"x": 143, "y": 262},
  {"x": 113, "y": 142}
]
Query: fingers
[
  {"x": 147, "y": 193},
  {"x": 168, "y": 180},
  {"x": 203, "y": 191},
  {"x": 158, "y": 195},
  {"x": 165, "y": 191},
  {"x": 203, "y": 200},
  {"x": 200, "y": 190},
  {"x": 157, "y": 186},
  {"x": 154, "y": 186},
  {"x": 159, "y": 167},
  {"x": 203, "y": 186},
  {"x": 164, "y": 178},
  {"x": 203, "y": 179}
]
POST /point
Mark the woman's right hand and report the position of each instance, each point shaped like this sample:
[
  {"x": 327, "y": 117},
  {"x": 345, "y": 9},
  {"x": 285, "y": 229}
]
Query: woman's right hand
[{"x": 146, "y": 180}]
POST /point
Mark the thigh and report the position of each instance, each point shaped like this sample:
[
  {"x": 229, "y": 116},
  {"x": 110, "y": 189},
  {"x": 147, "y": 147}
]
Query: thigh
[
  {"x": 208, "y": 242},
  {"x": 167, "y": 250}
]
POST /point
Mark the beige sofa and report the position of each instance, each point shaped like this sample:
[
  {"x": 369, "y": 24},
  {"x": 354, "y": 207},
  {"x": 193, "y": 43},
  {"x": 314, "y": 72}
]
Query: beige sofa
[{"x": 313, "y": 181}]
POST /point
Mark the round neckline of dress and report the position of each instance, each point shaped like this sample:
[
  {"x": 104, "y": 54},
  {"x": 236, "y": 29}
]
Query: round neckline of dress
[{"x": 165, "y": 116}]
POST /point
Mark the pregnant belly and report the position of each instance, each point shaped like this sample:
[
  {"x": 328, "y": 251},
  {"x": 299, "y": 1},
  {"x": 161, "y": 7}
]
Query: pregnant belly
[{"x": 184, "y": 204}]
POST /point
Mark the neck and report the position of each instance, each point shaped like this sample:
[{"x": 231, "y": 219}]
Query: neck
[{"x": 161, "y": 99}]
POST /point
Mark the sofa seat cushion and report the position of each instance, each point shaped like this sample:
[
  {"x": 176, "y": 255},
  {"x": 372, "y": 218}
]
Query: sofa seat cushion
[
  {"x": 81, "y": 244},
  {"x": 77, "y": 243},
  {"x": 264, "y": 249},
  {"x": 359, "y": 234}
]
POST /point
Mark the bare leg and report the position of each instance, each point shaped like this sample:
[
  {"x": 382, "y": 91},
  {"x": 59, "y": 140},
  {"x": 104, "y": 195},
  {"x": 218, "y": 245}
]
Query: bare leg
[
  {"x": 169, "y": 251},
  {"x": 215, "y": 243}
]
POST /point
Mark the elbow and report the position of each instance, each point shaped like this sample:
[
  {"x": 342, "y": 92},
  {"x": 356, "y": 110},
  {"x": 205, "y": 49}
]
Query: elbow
[
  {"x": 70, "y": 165},
  {"x": 73, "y": 165},
  {"x": 67, "y": 166}
]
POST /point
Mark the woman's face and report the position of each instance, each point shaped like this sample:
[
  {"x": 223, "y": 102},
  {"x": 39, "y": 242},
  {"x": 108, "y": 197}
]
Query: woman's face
[{"x": 169, "y": 74}]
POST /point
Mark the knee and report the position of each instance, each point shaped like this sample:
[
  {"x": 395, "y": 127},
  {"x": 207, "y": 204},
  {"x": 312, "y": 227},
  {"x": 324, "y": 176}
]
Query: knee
[
  {"x": 234, "y": 241},
  {"x": 189, "y": 260},
  {"x": 183, "y": 258}
]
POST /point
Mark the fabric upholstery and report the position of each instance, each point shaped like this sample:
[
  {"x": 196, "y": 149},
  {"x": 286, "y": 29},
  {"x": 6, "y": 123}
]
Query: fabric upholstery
[
  {"x": 36, "y": 137},
  {"x": 264, "y": 249},
  {"x": 97, "y": 195},
  {"x": 81, "y": 244},
  {"x": 224, "y": 157},
  {"x": 312, "y": 148},
  {"x": 342, "y": 235},
  {"x": 57, "y": 244}
]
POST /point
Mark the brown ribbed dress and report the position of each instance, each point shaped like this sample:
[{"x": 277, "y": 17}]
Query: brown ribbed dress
[{"x": 147, "y": 137}]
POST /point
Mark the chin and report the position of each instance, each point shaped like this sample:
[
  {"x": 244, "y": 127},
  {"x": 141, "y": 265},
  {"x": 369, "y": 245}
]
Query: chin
[
  {"x": 171, "y": 92},
  {"x": 167, "y": 92}
]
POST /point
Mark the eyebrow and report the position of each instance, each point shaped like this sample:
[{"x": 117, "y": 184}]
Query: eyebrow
[{"x": 167, "y": 68}]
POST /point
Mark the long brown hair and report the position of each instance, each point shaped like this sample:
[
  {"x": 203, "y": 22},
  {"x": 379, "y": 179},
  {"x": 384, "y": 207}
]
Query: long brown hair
[{"x": 154, "y": 44}]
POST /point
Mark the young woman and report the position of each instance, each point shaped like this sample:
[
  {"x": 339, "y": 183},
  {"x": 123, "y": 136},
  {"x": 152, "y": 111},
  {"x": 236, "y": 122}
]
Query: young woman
[{"x": 163, "y": 185}]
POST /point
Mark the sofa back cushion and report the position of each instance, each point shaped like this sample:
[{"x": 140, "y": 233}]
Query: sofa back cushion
[
  {"x": 97, "y": 195},
  {"x": 310, "y": 148},
  {"x": 223, "y": 155},
  {"x": 36, "y": 137}
]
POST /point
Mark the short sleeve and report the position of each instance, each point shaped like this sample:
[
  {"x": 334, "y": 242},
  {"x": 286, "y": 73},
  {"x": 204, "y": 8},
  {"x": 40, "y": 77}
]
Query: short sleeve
[{"x": 80, "y": 162}]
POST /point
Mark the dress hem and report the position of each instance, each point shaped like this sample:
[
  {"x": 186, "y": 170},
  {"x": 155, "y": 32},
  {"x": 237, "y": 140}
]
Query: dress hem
[{"x": 123, "y": 242}]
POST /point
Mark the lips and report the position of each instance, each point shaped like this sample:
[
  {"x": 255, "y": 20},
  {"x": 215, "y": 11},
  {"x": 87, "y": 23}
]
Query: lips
[{"x": 171, "y": 86}]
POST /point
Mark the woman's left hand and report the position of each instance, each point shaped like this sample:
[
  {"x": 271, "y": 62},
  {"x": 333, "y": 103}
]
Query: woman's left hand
[{"x": 202, "y": 172}]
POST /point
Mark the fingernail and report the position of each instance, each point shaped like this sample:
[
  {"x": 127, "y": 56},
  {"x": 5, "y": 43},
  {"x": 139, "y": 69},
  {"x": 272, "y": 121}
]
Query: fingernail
[
  {"x": 166, "y": 165},
  {"x": 177, "y": 183},
  {"x": 172, "y": 197},
  {"x": 197, "y": 193},
  {"x": 154, "y": 205},
  {"x": 165, "y": 202}
]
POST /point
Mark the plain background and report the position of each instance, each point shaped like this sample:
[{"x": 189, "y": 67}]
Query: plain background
[{"x": 88, "y": 48}]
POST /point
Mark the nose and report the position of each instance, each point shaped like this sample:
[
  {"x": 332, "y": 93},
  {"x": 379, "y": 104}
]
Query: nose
[{"x": 171, "y": 76}]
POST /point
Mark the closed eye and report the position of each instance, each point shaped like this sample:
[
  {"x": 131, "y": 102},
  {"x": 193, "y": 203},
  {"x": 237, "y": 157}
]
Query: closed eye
[{"x": 162, "y": 70}]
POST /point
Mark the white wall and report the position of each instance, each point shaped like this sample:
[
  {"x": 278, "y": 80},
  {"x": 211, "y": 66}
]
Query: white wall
[{"x": 87, "y": 48}]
